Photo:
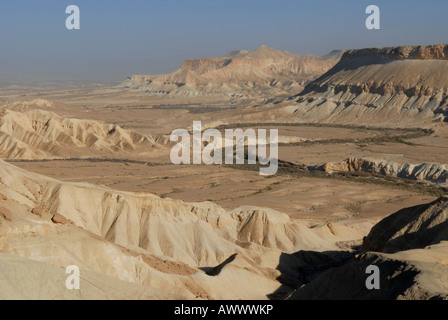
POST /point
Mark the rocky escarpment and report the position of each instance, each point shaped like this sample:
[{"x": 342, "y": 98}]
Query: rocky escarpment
[
  {"x": 239, "y": 73},
  {"x": 407, "y": 84},
  {"x": 404, "y": 52},
  {"x": 422, "y": 172}
]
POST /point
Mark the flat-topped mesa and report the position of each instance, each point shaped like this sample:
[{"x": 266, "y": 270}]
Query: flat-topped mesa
[
  {"x": 438, "y": 51},
  {"x": 261, "y": 71},
  {"x": 406, "y": 84},
  {"x": 414, "y": 71}
]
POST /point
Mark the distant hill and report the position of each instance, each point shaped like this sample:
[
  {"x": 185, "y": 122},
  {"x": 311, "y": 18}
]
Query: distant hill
[
  {"x": 238, "y": 73},
  {"x": 27, "y": 131}
]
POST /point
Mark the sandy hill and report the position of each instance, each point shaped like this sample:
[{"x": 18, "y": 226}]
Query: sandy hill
[
  {"x": 22, "y": 279},
  {"x": 138, "y": 246},
  {"x": 42, "y": 134},
  {"x": 158, "y": 246},
  {"x": 264, "y": 70},
  {"x": 406, "y": 84}
]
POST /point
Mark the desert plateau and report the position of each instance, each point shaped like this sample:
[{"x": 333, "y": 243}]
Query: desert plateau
[{"x": 87, "y": 180}]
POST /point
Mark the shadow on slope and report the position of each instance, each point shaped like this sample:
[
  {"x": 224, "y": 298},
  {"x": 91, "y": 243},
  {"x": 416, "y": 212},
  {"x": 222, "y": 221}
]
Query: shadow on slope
[
  {"x": 300, "y": 268},
  {"x": 410, "y": 228},
  {"x": 214, "y": 271},
  {"x": 410, "y": 274},
  {"x": 348, "y": 281}
]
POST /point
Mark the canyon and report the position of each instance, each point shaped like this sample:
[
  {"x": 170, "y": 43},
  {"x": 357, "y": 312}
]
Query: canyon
[{"x": 86, "y": 179}]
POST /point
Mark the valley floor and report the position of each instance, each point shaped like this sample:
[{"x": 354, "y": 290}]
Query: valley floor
[{"x": 157, "y": 230}]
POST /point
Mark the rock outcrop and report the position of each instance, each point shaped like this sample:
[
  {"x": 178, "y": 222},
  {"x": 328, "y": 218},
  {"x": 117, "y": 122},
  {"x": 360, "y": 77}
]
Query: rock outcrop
[{"x": 434, "y": 173}]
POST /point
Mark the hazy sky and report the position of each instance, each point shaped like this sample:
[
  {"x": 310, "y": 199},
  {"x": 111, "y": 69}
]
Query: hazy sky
[{"x": 119, "y": 38}]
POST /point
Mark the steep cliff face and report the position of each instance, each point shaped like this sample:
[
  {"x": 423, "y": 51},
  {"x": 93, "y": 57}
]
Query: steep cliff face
[
  {"x": 264, "y": 70},
  {"x": 406, "y": 84},
  {"x": 438, "y": 51}
]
